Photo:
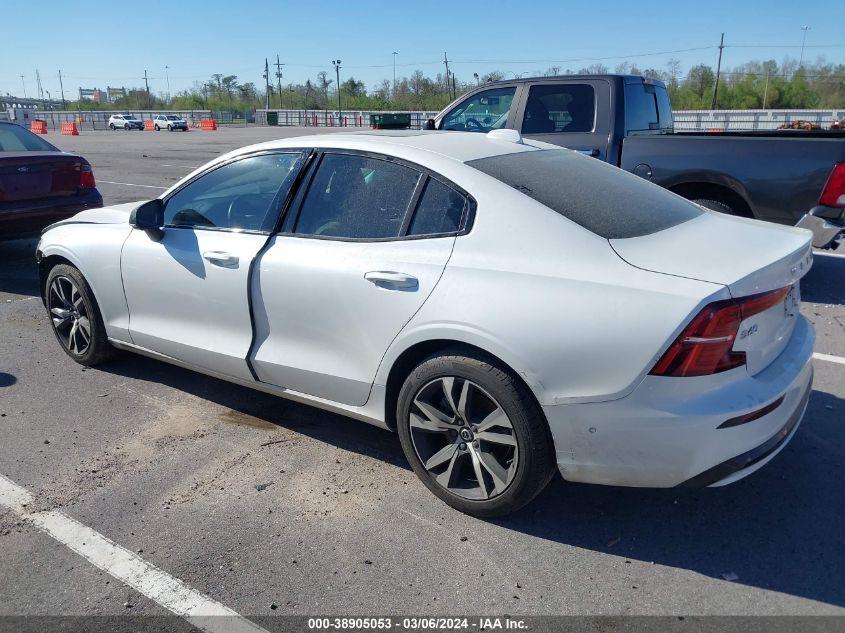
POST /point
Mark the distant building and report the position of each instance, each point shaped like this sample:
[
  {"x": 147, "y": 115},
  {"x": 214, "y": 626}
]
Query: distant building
[
  {"x": 93, "y": 94},
  {"x": 113, "y": 94}
]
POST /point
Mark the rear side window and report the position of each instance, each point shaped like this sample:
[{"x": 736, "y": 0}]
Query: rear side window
[
  {"x": 440, "y": 210},
  {"x": 611, "y": 203},
  {"x": 14, "y": 138},
  {"x": 560, "y": 108},
  {"x": 647, "y": 108},
  {"x": 357, "y": 197}
]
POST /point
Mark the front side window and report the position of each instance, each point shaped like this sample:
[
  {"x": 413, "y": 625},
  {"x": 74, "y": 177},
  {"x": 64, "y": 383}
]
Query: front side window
[
  {"x": 238, "y": 195},
  {"x": 356, "y": 197},
  {"x": 559, "y": 108},
  {"x": 481, "y": 112}
]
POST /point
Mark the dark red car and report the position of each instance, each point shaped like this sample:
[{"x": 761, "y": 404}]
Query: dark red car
[{"x": 39, "y": 184}]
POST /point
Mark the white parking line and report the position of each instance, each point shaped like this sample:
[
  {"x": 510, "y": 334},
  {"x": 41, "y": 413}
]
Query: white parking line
[
  {"x": 831, "y": 359},
  {"x": 129, "y": 184},
  {"x": 171, "y": 593}
]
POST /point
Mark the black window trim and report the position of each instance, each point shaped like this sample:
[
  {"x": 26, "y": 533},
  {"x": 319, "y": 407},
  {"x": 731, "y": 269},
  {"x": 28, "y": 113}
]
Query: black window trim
[
  {"x": 467, "y": 218},
  {"x": 281, "y": 205}
]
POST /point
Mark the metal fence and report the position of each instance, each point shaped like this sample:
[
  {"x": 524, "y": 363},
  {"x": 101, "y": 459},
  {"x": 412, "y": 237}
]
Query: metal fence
[
  {"x": 331, "y": 118},
  {"x": 99, "y": 119},
  {"x": 703, "y": 120}
]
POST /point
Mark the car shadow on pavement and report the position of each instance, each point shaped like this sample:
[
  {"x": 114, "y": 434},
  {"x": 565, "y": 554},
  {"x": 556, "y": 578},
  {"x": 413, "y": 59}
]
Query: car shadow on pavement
[
  {"x": 823, "y": 283},
  {"x": 18, "y": 272},
  {"x": 780, "y": 529}
]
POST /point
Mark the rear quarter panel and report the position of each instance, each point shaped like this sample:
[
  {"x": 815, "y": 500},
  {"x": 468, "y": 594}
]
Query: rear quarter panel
[{"x": 779, "y": 178}]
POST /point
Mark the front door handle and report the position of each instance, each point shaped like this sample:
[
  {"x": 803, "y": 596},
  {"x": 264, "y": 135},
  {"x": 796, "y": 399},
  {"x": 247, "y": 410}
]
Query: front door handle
[
  {"x": 391, "y": 280},
  {"x": 220, "y": 258}
]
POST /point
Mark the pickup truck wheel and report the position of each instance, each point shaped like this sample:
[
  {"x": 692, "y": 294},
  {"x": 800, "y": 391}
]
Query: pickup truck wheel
[
  {"x": 715, "y": 205},
  {"x": 474, "y": 434},
  {"x": 75, "y": 316}
]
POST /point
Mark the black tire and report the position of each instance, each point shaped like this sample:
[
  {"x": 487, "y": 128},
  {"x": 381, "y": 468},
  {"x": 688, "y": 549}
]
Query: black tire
[
  {"x": 716, "y": 205},
  {"x": 157, "y": 127},
  {"x": 111, "y": 126},
  {"x": 98, "y": 349},
  {"x": 126, "y": 127},
  {"x": 169, "y": 128},
  {"x": 535, "y": 464}
]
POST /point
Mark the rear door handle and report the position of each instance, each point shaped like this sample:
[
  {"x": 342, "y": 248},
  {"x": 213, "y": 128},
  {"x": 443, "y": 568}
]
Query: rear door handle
[
  {"x": 391, "y": 280},
  {"x": 220, "y": 258}
]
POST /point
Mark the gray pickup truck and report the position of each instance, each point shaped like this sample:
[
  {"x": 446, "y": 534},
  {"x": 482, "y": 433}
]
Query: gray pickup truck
[{"x": 785, "y": 176}]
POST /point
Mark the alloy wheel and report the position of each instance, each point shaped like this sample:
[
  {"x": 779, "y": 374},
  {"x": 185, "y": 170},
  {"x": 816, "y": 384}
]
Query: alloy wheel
[
  {"x": 69, "y": 314},
  {"x": 463, "y": 438}
]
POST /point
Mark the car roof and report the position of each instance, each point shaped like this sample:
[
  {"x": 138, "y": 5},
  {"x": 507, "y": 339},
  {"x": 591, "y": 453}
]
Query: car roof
[
  {"x": 626, "y": 78},
  {"x": 459, "y": 146}
]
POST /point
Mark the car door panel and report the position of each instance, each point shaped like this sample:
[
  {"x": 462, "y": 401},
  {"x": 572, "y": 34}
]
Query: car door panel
[
  {"x": 322, "y": 327},
  {"x": 187, "y": 295}
]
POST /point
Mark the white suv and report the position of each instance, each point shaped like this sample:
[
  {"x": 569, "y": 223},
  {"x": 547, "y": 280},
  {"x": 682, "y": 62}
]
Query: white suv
[
  {"x": 125, "y": 121},
  {"x": 170, "y": 122}
]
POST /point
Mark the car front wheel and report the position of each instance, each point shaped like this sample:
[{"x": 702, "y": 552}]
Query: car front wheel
[
  {"x": 474, "y": 434},
  {"x": 157, "y": 127},
  {"x": 126, "y": 127},
  {"x": 75, "y": 317}
]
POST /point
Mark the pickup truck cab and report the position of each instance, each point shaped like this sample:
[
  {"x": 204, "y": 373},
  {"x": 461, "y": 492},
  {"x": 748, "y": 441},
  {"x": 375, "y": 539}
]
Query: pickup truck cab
[{"x": 627, "y": 121}]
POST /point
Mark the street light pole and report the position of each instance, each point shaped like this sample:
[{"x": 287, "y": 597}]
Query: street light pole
[
  {"x": 804, "y": 28},
  {"x": 477, "y": 80},
  {"x": 23, "y": 83},
  {"x": 167, "y": 74},
  {"x": 62, "y": 88},
  {"x": 336, "y": 63},
  {"x": 394, "y": 73}
]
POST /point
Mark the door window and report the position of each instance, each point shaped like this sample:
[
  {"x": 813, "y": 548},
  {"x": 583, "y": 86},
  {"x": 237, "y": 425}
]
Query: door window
[
  {"x": 559, "y": 108},
  {"x": 357, "y": 197},
  {"x": 239, "y": 195},
  {"x": 440, "y": 210},
  {"x": 484, "y": 111}
]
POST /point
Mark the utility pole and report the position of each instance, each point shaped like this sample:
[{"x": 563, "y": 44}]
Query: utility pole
[
  {"x": 62, "y": 88},
  {"x": 23, "y": 83},
  {"x": 266, "y": 76},
  {"x": 804, "y": 28},
  {"x": 147, "y": 84},
  {"x": 766, "y": 90},
  {"x": 167, "y": 74},
  {"x": 38, "y": 84},
  {"x": 394, "y": 73},
  {"x": 336, "y": 63},
  {"x": 718, "y": 73},
  {"x": 279, "y": 79},
  {"x": 446, "y": 62}
]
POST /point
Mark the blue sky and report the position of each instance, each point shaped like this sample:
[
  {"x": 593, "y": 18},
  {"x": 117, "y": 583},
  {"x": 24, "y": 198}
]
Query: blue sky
[{"x": 96, "y": 44}]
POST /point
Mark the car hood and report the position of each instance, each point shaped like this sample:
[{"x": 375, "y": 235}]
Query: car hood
[
  {"x": 748, "y": 256},
  {"x": 115, "y": 214}
]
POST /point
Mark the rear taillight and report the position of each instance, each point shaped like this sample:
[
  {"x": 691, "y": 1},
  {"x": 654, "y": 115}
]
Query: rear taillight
[
  {"x": 705, "y": 345},
  {"x": 833, "y": 194},
  {"x": 86, "y": 177}
]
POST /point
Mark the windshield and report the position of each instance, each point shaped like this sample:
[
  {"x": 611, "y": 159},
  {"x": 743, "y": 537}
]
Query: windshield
[
  {"x": 608, "y": 201},
  {"x": 14, "y": 138},
  {"x": 129, "y": 117},
  {"x": 170, "y": 117}
]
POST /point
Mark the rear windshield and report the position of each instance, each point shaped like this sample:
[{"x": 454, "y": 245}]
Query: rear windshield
[
  {"x": 13, "y": 138},
  {"x": 610, "y": 202}
]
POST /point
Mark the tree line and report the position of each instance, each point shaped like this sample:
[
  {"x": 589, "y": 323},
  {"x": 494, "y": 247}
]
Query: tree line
[{"x": 757, "y": 84}]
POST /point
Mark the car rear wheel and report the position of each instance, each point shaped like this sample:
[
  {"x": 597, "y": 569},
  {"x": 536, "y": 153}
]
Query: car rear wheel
[
  {"x": 474, "y": 434},
  {"x": 157, "y": 127},
  {"x": 169, "y": 128},
  {"x": 75, "y": 317},
  {"x": 716, "y": 205},
  {"x": 111, "y": 126}
]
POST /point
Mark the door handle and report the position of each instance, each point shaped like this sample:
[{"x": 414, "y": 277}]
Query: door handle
[
  {"x": 391, "y": 280},
  {"x": 220, "y": 258}
]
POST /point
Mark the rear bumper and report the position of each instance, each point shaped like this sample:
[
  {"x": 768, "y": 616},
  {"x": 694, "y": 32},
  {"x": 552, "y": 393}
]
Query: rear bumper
[
  {"x": 28, "y": 217},
  {"x": 827, "y": 225},
  {"x": 665, "y": 433}
]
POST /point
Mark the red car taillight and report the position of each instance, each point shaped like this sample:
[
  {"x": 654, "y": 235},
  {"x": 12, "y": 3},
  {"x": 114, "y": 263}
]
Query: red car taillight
[
  {"x": 86, "y": 177},
  {"x": 705, "y": 345},
  {"x": 833, "y": 194}
]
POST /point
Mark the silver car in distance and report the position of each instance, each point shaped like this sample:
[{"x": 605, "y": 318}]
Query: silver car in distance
[{"x": 507, "y": 306}]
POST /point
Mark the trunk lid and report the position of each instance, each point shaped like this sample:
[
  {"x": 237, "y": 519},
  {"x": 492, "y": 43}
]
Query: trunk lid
[
  {"x": 748, "y": 256},
  {"x": 34, "y": 175}
]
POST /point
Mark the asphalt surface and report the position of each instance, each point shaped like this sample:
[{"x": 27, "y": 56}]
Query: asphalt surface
[{"x": 258, "y": 502}]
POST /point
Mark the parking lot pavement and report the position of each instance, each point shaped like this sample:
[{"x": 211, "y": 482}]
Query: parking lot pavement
[{"x": 255, "y": 502}]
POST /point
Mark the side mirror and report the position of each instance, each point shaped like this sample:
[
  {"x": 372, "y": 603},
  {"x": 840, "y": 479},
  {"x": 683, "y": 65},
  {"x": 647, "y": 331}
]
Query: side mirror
[
  {"x": 149, "y": 217},
  {"x": 429, "y": 125}
]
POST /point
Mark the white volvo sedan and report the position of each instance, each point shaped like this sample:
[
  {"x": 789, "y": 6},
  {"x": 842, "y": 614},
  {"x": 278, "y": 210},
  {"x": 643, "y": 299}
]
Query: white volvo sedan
[{"x": 506, "y": 306}]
